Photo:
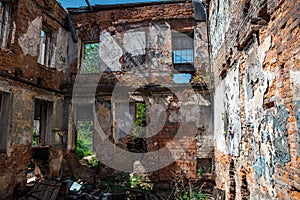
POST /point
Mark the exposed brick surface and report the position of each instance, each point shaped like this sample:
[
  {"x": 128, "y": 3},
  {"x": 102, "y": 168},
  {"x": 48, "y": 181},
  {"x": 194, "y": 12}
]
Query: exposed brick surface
[
  {"x": 254, "y": 54},
  {"x": 157, "y": 21},
  {"x": 24, "y": 79},
  {"x": 261, "y": 40}
]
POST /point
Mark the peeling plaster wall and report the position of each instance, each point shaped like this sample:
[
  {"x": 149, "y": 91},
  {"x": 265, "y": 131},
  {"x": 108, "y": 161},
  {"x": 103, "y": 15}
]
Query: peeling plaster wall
[
  {"x": 110, "y": 51},
  {"x": 161, "y": 107},
  {"x": 148, "y": 40},
  {"x": 201, "y": 52},
  {"x": 26, "y": 80},
  {"x": 220, "y": 21},
  {"x": 61, "y": 51},
  {"x": 227, "y": 125},
  {"x": 30, "y": 43},
  {"x": 160, "y": 41},
  {"x": 227, "y": 109},
  {"x": 135, "y": 42},
  {"x": 28, "y": 40},
  {"x": 153, "y": 44},
  {"x": 14, "y": 163},
  {"x": 295, "y": 81},
  {"x": 255, "y": 42},
  {"x": 19, "y": 59}
]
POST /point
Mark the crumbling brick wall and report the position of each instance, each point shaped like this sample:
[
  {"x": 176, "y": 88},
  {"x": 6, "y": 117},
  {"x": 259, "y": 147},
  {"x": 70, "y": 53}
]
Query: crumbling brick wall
[
  {"x": 157, "y": 21},
  {"x": 255, "y": 59},
  {"x": 24, "y": 80}
]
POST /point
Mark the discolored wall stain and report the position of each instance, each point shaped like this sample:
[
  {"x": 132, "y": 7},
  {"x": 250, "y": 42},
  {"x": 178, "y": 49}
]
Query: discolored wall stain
[
  {"x": 297, "y": 115},
  {"x": 282, "y": 153}
]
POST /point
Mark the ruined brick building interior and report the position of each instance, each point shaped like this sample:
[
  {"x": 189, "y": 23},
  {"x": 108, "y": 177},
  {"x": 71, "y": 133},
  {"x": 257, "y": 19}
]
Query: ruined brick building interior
[{"x": 196, "y": 99}]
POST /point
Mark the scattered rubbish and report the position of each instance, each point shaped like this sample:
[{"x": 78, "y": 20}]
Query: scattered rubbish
[
  {"x": 75, "y": 187},
  {"x": 30, "y": 180},
  {"x": 85, "y": 183}
]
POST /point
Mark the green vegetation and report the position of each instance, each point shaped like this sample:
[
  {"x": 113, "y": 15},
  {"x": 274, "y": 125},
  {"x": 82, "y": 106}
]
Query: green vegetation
[
  {"x": 209, "y": 170},
  {"x": 122, "y": 182},
  {"x": 138, "y": 143},
  {"x": 93, "y": 162},
  {"x": 140, "y": 120},
  {"x": 116, "y": 184},
  {"x": 191, "y": 196},
  {"x": 137, "y": 183},
  {"x": 84, "y": 145},
  {"x": 34, "y": 138},
  {"x": 140, "y": 116},
  {"x": 199, "y": 171},
  {"x": 81, "y": 150},
  {"x": 91, "y": 58},
  {"x": 201, "y": 196}
]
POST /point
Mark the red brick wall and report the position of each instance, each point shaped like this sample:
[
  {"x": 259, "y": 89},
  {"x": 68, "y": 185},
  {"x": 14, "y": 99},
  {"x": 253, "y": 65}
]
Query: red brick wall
[
  {"x": 90, "y": 24},
  {"x": 187, "y": 162},
  {"x": 13, "y": 62},
  {"x": 256, "y": 45},
  {"x": 118, "y": 20},
  {"x": 25, "y": 79}
]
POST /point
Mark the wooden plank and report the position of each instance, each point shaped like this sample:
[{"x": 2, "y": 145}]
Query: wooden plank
[
  {"x": 54, "y": 194},
  {"x": 48, "y": 192},
  {"x": 44, "y": 190},
  {"x": 56, "y": 191}
]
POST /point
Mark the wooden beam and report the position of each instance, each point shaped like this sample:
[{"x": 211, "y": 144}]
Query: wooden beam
[{"x": 89, "y": 5}]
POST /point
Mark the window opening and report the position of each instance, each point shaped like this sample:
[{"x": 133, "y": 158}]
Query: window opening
[
  {"x": 42, "y": 122},
  {"x": 45, "y": 48},
  {"x": 137, "y": 143},
  {"x": 84, "y": 143},
  {"x": 4, "y": 119},
  {"x": 5, "y": 12},
  {"x": 182, "y": 78},
  {"x": 183, "y": 52},
  {"x": 91, "y": 58}
]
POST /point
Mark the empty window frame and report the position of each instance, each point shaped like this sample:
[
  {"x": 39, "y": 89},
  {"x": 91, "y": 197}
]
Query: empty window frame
[
  {"x": 182, "y": 78},
  {"x": 42, "y": 127},
  {"x": 183, "y": 51},
  {"x": 85, "y": 129},
  {"x": 137, "y": 143},
  {"x": 4, "y": 119},
  {"x": 84, "y": 144},
  {"x": 138, "y": 112},
  {"x": 91, "y": 62},
  {"x": 5, "y": 13},
  {"x": 45, "y": 53}
]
